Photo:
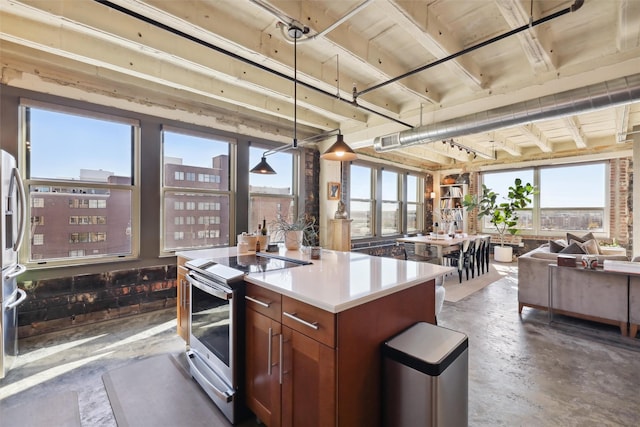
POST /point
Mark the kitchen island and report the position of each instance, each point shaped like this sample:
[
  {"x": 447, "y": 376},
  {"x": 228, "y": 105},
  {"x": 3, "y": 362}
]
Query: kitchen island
[{"x": 314, "y": 332}]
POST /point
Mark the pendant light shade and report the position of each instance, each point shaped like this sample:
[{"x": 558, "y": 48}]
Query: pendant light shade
[
  {"x": 339, "y": 151},
  {"x": 263, "y": 168}
]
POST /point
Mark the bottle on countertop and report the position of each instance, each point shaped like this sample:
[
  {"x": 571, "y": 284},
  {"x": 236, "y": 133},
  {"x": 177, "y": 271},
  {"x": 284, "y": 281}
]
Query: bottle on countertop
[
  {"x": 264, "y": 226},
  {"x": 258, "y": 239}
]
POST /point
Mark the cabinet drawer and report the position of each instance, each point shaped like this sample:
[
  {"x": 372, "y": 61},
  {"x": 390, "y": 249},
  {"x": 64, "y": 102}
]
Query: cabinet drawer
[
  {"x": 264, "y": 301},
  {"x": 309, "y": 320}
]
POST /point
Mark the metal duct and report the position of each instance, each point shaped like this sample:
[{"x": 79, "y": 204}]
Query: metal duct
[{"x": 607, "y": 94}]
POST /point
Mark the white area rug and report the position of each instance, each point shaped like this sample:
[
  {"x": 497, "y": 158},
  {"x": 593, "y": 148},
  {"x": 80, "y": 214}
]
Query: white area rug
[{"x": 455, "y": 291}]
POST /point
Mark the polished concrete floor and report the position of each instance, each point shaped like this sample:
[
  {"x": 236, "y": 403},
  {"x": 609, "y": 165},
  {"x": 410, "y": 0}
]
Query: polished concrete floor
[{"x": 522, "y": 371}]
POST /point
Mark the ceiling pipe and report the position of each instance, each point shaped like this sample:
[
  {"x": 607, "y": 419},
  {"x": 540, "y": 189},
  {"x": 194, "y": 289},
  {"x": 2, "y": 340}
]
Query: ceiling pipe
[
  {"x": 237, "y": 57},
  {"x": 575, "y": 6},
  {"x": 612, "y": 93}
]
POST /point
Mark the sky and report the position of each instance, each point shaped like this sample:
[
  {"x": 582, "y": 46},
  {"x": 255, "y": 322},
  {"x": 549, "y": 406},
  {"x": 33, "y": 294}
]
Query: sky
[
  {"x": 63, "y": 143},
  {"x": 89, "y": 143}
]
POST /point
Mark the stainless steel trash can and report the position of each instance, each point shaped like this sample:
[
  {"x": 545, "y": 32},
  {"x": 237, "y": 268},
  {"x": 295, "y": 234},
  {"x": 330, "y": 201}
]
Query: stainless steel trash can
[{"x": 426, "y": 378}]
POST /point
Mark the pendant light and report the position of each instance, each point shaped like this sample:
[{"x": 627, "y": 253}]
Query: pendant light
[
  {"x": 339, "y": 151},
  {"x": 263, "y": 168}
]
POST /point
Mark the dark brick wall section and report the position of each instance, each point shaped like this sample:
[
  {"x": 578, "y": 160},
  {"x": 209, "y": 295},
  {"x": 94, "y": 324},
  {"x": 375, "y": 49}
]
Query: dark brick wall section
[{"x": 55, "y": 304}]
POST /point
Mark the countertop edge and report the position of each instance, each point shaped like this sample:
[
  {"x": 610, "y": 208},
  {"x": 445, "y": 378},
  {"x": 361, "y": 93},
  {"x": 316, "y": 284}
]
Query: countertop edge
[{"x": 346, "y": 305}]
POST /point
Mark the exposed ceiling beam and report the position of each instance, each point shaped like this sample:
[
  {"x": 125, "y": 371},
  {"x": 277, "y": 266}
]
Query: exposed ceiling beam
[
  {"x": 504, "y": 144},
  {"x": 537, "y": 137},
  {"x": 622, "y": 123},
  {"x": 371, "y": 61},
  {"x": 573, "y": 126},
  {"x": 536, "y": 44},
  {"x": 435, "y": 37}
]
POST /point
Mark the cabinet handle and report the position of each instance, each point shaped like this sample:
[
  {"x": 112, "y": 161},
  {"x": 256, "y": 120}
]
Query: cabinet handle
[
  {"x": 269, "y": 352},
  {"x": 312, "y": 325},
  {"x": 263, "y": 304},
  {"x": 281, "y": 358}
]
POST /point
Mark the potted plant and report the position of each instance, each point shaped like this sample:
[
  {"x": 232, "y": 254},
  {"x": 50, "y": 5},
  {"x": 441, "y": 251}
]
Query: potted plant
[
  {"x": 503, "y": 215},
  {"x": 302, "y": 231}
]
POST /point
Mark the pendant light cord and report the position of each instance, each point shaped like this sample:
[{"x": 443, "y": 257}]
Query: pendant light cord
[{"x": 295, "y": 91}]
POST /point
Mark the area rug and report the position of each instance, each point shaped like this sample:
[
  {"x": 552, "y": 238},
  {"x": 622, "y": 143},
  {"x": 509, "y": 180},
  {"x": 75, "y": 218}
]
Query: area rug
[
  {"x": 455, "y": 291},
  {"x": 159, "y": 392},
  {"x": 59, "y": 409}
]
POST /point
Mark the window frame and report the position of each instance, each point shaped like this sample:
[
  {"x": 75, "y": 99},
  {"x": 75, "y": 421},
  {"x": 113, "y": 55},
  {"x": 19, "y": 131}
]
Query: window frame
[
  {"x": 536, "y": 210},
  {"x": 377, "y": 202},
  {"x": 295, "y": 186},
  {"x": 230, "y": 192},
  {"x": 134, "y": 187}
]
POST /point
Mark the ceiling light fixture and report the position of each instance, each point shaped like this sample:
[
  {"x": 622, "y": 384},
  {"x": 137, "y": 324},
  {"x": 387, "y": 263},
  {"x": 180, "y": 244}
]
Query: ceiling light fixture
[
  {"x": 471, "y": 150},
  {"x": 339, "y": 151},
  {"x": 263, "y": 167}
]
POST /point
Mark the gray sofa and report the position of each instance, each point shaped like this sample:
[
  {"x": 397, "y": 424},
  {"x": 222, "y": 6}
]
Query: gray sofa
[{"x": 597, "y": 296}]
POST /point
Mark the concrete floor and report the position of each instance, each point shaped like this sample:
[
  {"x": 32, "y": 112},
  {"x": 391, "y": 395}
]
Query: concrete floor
[{"x": 522, "y": 371}]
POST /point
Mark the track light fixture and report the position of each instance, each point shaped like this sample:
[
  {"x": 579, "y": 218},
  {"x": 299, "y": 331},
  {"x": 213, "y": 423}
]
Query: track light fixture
[{"x": 469, "y": 150}]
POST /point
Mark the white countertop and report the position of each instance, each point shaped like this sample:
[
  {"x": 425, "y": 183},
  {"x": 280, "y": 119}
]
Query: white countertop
[{"x": 339, "y": 280}]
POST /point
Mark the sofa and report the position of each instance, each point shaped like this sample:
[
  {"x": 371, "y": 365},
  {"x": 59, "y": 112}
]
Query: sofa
[{"x": 596, "y": 296}]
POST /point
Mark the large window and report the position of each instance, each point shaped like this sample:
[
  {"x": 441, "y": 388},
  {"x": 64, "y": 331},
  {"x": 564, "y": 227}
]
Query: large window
[
  {"x": 571, "y": 197},
  {"x": 271, "y": 196},
  {"x": 362, "y": 201},
  {"x": 196, "y": 186},
  {"x": 391, "y": 204},
  {"x": 415, "y": 204},
  {"x": 384, "y": 202},
  {"x": 80, "y": 174}
]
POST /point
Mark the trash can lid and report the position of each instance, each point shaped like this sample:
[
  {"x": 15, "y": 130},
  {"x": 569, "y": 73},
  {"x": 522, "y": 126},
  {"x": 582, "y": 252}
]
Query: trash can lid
[{"x": 427, "y": 348}]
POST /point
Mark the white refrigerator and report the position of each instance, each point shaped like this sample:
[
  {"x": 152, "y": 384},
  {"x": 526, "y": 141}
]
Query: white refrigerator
[{"x": 12, "y": 231}]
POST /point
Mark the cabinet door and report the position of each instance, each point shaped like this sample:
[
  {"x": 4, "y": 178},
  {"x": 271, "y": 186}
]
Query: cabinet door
[
  {"x": 184, "y": 300},
  {"x": 309, "y": 382},
  {"x": 263, "y": 367}
]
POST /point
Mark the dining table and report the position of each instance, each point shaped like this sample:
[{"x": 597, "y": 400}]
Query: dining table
[{"x": 442, "y": 244}]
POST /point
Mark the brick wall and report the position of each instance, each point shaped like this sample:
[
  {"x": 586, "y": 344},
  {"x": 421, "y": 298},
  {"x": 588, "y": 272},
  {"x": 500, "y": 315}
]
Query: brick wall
[{"x": 56, "y": 304}]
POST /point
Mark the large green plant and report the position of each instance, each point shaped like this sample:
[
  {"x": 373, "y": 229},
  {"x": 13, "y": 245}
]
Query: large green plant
[{"x": 503, "y": 215}]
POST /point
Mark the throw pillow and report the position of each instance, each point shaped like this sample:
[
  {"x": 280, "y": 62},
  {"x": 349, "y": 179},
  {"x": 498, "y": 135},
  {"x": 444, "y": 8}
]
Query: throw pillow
[
  {"x": 582, "y": 239},
  {"x": 555, "y": 246},
  {"x": 590, "y": 247},
  {"x": 573, "y": 248}
]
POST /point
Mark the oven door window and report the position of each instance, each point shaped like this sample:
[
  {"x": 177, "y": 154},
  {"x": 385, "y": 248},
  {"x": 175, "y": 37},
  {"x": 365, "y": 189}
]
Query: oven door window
[{"x": 211, "y": 322}]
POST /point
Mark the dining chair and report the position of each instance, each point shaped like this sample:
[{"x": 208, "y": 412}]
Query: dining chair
[
  {"x": 462, "y": 258},
  {"x": 478, "y": 261},
  {"x": 487, "y": 251}
]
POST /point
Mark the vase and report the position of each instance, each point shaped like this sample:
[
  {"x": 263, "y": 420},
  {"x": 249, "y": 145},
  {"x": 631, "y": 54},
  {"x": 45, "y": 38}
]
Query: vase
[
  {"x": 503, "y": 253},
  {"x": 293, "y": 239}
]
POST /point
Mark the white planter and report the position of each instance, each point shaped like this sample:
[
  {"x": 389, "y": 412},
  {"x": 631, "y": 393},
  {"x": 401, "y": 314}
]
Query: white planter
[
  {"x": 293, "y": 239},
  {"x": 503, "y": 253}
]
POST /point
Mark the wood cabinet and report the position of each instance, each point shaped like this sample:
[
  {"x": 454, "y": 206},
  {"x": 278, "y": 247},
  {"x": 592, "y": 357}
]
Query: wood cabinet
[
  {"x": 184, "y": 300},
  {"x": 330, "y": 364},
  {"x": 290, "y": 375}
]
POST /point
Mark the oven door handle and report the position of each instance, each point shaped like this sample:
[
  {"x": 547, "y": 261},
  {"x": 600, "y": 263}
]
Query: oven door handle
[
  {"x": 225, "y": 395},
  {"x": 210, "y": 289}
]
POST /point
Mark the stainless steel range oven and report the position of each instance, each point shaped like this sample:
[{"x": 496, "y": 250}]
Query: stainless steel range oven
[{"x": 216, "y": 324}]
